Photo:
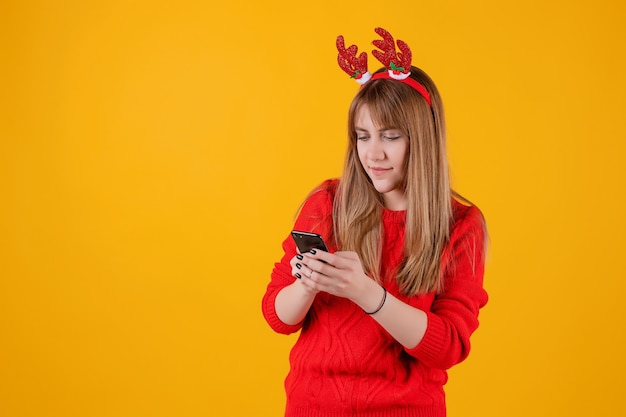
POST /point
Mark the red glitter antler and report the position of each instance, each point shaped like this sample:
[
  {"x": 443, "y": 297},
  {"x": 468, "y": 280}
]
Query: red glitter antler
[
  {"x": 398, "y": 64},
  {"x": 355, "y": 67}
]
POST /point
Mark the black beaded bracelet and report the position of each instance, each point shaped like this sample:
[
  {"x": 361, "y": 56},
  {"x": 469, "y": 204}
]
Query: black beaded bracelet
[{"x": 382, "y": 303}]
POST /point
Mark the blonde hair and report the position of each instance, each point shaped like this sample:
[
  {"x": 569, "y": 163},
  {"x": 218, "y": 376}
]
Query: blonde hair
[{"x": 357, "y": 209}]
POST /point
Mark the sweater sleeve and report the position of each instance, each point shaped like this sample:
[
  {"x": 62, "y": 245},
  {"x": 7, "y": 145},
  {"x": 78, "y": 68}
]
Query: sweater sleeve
[
  {"x": 315, "y": 216},
  {"x": 453, "y": 316}
]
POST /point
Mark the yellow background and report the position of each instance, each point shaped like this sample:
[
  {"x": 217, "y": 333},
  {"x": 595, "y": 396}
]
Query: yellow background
[{"x": 153, "y": 154}]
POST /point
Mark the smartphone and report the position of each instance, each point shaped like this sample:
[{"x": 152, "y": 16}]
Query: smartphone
[{"x": 306, "y": 241}]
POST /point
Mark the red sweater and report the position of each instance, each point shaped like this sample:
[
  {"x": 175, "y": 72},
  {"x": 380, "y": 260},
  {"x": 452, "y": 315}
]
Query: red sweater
[{"x": 344, "y": 363}]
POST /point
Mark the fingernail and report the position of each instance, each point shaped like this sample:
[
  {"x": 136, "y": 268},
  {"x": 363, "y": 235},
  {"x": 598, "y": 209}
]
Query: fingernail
[
  {"x": 298, "y": 266},
  {"x": 300, "y": 257},
  {"x": 298, "y": 275},
  {"x": 313, "y": 251}
]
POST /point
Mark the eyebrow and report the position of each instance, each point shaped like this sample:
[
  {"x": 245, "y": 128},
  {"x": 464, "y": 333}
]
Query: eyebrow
[{"x": 384, "y": 129}]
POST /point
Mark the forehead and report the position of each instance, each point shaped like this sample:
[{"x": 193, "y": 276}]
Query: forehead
[
  {"x": 365, "y": 123},
  {"x": 367, "y": 116},
  {"x": 363, "y": 117}
]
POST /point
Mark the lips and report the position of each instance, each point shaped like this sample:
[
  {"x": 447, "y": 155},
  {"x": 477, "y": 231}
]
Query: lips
[{"x": 378, "y": 171}]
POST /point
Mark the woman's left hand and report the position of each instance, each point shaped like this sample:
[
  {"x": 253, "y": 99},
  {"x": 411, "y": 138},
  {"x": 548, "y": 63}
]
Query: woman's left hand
[
  {"x": 342, "y": 274},
  {"x": 339, "y": 273}
]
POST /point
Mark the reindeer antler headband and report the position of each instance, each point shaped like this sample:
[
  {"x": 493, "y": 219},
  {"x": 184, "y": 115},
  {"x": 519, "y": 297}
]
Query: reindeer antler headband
[{"x": 398, "y": 63}]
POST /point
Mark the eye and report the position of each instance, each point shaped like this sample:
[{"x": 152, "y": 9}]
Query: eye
[
  {"x": 362, "y": 137},
  {"x": 391, "y": 134},
  {"x": 392, "y": 137}
]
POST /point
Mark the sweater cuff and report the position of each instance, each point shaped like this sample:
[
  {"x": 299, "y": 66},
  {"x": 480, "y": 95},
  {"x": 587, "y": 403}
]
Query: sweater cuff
[
  {"x": 429, "y": 348},
  {"x": 276, "y": 323}
]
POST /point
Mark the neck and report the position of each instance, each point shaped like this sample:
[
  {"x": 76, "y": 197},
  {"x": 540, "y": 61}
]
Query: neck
[{"x": 395, "y": 200}]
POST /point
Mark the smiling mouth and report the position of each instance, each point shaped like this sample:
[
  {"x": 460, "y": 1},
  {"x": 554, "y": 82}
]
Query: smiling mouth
[{"x": 379, "y": 171}]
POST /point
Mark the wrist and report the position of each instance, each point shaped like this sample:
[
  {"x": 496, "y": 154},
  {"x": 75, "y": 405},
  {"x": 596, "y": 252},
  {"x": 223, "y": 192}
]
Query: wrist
[
  {"x": 373, "y": 297},
  {"x": 304, "y": 290},
  {"x": 380, "y": 305}
]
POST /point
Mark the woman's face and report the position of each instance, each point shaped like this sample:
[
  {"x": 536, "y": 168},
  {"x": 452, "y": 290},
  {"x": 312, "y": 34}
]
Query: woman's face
[{"x": 382, "y": 151}]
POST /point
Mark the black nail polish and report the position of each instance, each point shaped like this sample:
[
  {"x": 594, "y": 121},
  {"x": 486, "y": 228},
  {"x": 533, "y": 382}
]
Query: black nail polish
[
  {"x": 313, "y": 251},
  {"x": 298, "y": 275},
  {"x": 298, "y": 266},
  {"x": 300, "y": 257}
]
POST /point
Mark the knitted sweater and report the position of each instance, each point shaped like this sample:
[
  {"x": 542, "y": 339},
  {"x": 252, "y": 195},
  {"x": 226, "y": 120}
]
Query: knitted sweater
[{"x": 344, "y": 363}]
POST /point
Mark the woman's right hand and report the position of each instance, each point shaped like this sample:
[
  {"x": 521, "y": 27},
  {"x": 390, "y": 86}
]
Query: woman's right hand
[
  {"x": 297, "y": 271},
  {"x": 293, "y": 302}
]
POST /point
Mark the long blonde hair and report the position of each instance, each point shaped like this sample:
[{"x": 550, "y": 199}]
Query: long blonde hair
[{"x": 358, "y": 207}]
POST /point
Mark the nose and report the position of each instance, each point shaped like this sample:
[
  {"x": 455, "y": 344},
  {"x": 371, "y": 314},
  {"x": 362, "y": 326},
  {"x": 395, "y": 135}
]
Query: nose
[{"x": 375, "y": 150}]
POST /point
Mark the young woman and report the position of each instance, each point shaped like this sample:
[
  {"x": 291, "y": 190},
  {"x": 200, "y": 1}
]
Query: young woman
[{"x": 393, "y": 303}]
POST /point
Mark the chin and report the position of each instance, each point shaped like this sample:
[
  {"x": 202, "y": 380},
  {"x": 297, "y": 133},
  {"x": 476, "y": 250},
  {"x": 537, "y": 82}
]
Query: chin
[{"x": 384, "y": 188}]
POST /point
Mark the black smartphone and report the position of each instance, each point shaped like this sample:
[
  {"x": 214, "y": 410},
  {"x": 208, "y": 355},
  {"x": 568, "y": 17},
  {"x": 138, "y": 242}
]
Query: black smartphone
[{"x": 306, "y": 241}]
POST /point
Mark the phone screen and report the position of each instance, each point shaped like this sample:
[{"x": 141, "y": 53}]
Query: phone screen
[{"x": 306, "y": 241}]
